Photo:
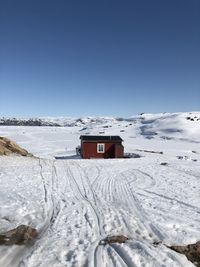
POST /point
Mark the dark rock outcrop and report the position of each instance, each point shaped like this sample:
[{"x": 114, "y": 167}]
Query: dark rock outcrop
[
  {"x": 18, "y": 236},
  {"x": 192, "y": 252},
  {"x": 114, "y": 239},
  {"x": 8, "y": 147}
]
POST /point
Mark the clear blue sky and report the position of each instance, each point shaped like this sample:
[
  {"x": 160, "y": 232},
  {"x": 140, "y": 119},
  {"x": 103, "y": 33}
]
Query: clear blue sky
[{"x": 99, "y": 57}]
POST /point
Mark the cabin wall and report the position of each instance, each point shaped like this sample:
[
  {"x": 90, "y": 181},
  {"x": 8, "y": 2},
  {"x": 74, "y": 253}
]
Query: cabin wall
[
  {"x": 89, "y": 150},
  {"x": 119, "y": 151}
]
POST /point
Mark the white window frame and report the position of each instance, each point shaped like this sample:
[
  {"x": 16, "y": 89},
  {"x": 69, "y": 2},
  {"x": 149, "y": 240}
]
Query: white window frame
[{"x": 98, "y": 146}]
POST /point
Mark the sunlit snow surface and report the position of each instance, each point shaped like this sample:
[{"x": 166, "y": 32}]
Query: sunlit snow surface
[{"x": 75, "y": 203}]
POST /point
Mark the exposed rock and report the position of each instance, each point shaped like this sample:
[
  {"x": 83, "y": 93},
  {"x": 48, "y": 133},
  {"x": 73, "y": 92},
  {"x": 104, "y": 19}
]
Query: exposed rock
[
  {"x": 164, "y": 163},
  {"x": 8, "y": 147},
  {"x": 156, "y": 243},
  {"x": 114, "y": 239},
  {"x": 132, "y": 155},
  {"x": 194, "y": 118},
  {"x": 150, "y": 151},
  {"x": 18, "y": 236},
  {"x": 192, "y": 252}
]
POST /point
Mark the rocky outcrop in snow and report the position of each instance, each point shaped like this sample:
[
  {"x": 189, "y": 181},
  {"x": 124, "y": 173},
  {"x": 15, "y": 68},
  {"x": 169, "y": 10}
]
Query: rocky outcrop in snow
[
  {"x": 18, "y": 236},
  {"x": 8, "y": 147},
  {"x": 192, "y": 252}
]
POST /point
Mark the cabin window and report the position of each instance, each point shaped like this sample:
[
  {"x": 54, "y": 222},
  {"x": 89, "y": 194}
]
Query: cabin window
[{"x": 100, "y": 148}]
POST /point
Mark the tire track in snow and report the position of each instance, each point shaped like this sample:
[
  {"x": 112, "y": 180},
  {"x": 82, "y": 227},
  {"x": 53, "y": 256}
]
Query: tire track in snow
[
  {"x": 189, "y": 172},
  {"x": 115, "y": 187},
  {"x": 96, "y": 249},
  {"x": 142, "y": 180},
  {"x": 55, "y": 198},
  {"x": 43, "y": 180},
  {"x": 90, "y": 201},
  {"x": 48, "y": 210},
  {"x": 122, "y": 256},
  {"x": 154, "y": 231},
  {"x": 77, "y": 190},
  {"x": 194, "y": 208},
  {"x": 48, "y": 190},
  {"x": 111, "y": 184}
]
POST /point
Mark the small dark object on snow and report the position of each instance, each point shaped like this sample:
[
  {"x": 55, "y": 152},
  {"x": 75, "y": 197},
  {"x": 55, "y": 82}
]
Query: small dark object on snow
[
  {"x": 156, "y": 243},
  {"x": 150, "y": 151},
  {"x": 114, "y": 239},
  {"x": 18, "y": 236},
  {"x": 181, "y": 157},
  {"x": 131, "y": 155},
  {"x": 192, "y": 252},
  {"x": 164, "y": 163}
]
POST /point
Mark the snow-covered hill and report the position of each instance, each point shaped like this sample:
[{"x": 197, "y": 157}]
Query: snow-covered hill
[
  {"x": 147, "y": 131},
  {"x": 51, "y": 121},
  {"x": 75, "y": 203}
]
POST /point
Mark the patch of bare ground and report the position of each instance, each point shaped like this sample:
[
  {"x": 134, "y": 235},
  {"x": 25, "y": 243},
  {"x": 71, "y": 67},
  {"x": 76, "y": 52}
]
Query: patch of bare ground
[
  {"x": 113, "y": 239},
  {"x": 8, "y": 147},
  {"x": 163, "y": 163},
  {"x": 192, "y": 252},
  {"x": 21, "y": 235}
]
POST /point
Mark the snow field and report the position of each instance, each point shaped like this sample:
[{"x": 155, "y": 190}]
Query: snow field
[{"x": 76, "y": 203}]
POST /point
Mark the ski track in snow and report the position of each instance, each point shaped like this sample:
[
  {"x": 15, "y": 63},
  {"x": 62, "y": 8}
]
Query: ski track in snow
[{"x": 82, "y": 202}]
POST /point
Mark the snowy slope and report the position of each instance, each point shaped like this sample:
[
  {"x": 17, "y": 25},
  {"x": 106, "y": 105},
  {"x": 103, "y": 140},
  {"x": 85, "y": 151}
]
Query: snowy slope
[
  {"x": 76, "y": 203},
  {"x": 149, "y": 131}
]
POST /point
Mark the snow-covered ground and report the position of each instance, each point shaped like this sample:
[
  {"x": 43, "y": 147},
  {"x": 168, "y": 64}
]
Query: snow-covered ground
[{"x": 75, "y": 203}]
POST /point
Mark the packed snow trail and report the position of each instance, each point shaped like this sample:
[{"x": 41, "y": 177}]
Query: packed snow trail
[{"x": 76, "y": 203}]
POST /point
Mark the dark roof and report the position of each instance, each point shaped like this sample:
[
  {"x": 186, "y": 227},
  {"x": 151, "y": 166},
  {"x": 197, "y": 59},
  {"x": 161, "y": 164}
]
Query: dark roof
[{"x": 100, "y": 138}]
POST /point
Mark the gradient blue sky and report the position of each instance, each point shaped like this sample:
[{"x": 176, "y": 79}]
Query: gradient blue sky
[{"x": 108, "y": 57}]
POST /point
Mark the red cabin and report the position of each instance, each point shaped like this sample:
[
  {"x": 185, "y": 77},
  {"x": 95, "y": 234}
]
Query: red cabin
[{"x": 94, "y": 146}]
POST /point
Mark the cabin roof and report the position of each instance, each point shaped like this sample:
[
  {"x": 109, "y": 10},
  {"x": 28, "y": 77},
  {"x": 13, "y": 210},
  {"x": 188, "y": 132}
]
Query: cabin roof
[{"x": 100, "y": 138}]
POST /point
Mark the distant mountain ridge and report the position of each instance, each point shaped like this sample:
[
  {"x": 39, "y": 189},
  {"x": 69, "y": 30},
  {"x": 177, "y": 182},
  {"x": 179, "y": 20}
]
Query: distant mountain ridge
[
  {"x": 58, "y": 122},
  {"x": 149, "y": 124},
  {"x": 26, "y": 122}
]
